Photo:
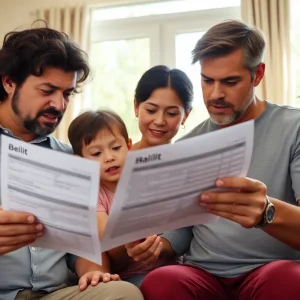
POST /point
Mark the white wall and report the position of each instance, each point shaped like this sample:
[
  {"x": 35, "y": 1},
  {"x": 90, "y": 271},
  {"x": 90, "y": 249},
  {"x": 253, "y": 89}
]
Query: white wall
[{"x": 15, "y": 13}]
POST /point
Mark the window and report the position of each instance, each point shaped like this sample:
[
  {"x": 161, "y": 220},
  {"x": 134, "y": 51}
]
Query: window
[
  {"x": 128, "y": 40},
  {"x": 119, "y": 64},
  {"x": 295, "y": 41},
  {"x": 184, "y": 44},
  {"x": 159, "y": 8}
]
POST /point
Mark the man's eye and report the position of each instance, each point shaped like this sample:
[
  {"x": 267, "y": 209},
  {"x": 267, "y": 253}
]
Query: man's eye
[
  {"x": 68, "y": 96},
  {"x": 231, "y": 83},
  {"x": 208, "y": 81},
  {"x": 47, "y": 92}
]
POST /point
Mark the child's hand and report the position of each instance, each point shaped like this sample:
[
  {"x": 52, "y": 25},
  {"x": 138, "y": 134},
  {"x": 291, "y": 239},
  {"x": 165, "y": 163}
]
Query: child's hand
[
  {"x": 93, "y": 278},
  {"x": 145, "y": 251}
]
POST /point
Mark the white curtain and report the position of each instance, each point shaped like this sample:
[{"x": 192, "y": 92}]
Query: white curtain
[
  {"x": 272, "y": 17},
  {"x": 75, "y": 22}
]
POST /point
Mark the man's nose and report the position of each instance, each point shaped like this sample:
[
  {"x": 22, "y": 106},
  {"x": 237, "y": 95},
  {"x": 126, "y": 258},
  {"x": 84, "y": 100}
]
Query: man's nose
[
  {"x": 58, "y": 102},
  {"x": 217, "y": 91}
]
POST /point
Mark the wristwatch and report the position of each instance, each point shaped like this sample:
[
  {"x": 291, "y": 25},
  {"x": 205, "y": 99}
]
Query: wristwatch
[{"x": 268, "y": 214}]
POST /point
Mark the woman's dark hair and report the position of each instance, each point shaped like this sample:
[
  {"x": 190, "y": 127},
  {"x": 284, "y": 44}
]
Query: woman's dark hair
[
  {"x": 84, "y": 129},
  {"x": 31, "y": 51},
  {"x": 161, "y": 77}
]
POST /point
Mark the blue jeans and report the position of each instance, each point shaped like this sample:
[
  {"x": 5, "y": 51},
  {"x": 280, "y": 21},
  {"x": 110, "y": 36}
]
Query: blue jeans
[{"x": 136, "y": 279}]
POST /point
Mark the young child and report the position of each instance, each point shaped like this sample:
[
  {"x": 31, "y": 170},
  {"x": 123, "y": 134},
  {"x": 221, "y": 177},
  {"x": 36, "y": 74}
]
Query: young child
[
  {"x": 85, "y": 134},
  {"x": 102, "y": 136}
]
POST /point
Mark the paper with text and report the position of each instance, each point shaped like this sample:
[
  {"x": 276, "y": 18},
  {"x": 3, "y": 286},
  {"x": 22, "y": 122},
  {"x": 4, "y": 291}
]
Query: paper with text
[
  {"x": 160, "y": 186},
  {"x": 61, "y": 190}
]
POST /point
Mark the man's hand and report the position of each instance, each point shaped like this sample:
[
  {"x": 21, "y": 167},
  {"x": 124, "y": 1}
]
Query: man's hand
[
  {"x": 93, "y": 278},
  {"x": 17, "y": 229},
  {"x": 147, "y": 251},
  {"x": 244, "y": 203}
]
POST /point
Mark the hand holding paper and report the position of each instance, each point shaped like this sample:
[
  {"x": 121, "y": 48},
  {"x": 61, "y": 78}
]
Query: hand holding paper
[
  {"x": 17, "y": 229},
  {"x": 145, "y": 251}
]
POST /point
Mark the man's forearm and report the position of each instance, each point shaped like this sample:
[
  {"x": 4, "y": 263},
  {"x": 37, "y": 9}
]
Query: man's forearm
[
  {"x": 83, "y": 266},
  {"x": 286, "y": 225},
  {"x": 167, "y": 250}
]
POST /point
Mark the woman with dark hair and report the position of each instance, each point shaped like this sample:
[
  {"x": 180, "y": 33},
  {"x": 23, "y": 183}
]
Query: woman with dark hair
[{"x": 163, "y": 101}]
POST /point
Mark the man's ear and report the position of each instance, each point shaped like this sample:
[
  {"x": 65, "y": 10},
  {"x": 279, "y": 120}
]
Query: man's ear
[
  {"x": 8, "y": 85},
  {"x": 259, "y": 74},
  {"x": 129, "y": 144}
]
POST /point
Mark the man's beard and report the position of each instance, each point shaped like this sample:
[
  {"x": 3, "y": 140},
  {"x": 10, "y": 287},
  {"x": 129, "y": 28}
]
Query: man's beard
[
  {"x": 32, "y": 124},
  {"x": 222, "y": 120}
]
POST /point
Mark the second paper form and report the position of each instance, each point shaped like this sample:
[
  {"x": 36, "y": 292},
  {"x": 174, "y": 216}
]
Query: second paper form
[{"x": 160, "y": 186}]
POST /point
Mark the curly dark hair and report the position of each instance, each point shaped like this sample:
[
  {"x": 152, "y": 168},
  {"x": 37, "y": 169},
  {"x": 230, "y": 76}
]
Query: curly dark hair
[{"x": 31, "y": 51}]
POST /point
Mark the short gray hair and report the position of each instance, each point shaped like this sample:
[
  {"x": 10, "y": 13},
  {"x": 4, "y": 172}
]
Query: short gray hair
[{"x": 228, "y": 36}]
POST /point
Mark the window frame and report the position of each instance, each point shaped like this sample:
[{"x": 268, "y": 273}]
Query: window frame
[{"x": 161, "y": 29}]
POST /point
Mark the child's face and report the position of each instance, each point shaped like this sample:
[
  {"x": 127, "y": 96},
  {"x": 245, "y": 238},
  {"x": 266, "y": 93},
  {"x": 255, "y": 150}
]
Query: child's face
[{"x": 110, "y": 150}]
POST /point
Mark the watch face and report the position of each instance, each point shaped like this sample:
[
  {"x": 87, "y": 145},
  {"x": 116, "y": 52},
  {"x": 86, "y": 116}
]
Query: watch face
[{"x": 270, "y": 213}]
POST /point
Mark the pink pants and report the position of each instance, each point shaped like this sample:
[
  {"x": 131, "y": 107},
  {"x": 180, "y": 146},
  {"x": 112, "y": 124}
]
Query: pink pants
[{"x": 278, "y": 280}]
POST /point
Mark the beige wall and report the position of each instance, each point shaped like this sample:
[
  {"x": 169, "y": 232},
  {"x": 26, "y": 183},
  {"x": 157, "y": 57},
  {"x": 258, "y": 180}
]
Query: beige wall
[{"x": 15, "y": 13}]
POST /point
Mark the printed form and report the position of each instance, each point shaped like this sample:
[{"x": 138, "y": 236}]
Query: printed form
[
  {"x": 160, "y": 186},
  {"x": 61, "y": 190}
]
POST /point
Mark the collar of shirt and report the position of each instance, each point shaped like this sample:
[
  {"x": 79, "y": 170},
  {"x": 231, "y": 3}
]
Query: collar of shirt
[{"x": 38, "y": 140}]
